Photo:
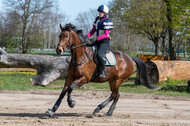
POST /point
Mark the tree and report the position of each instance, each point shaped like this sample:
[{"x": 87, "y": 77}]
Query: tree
[
  {"x": 9, "y": 29},
  {"x": 177, "y": 14},
  {"x": 122, "y": 37},
  {"x": 144, "y": 16},
  {"x": 1, "y": 30},
  {"x": 49, "y": 28},
  {"x": 86, "y": 19},
  {"x": 29, "y": 12}
]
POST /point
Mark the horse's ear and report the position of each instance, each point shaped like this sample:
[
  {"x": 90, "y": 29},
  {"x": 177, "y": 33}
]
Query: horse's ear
[
  {"x": 61, "y": 27},
  {"x": 70, "y": 26}
]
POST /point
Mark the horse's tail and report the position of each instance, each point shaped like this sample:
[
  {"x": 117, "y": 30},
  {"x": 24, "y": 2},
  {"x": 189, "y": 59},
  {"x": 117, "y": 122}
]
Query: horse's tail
[{"x": 141, "y": 66}]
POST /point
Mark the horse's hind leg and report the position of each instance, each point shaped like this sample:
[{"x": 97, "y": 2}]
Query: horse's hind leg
[
  {"x": 103, "y": 104},
  {"x": 112, "y": 107},
  {"x": 114, "y": 86},
  {"x": 106, "y": 102}
]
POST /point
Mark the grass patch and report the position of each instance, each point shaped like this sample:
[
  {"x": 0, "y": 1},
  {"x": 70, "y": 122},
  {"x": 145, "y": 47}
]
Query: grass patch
[
  {"x": 175, "y": 85},
  {"x": 130, "y": 87},
  {"x": 173, "y": 82},
  {"x": 21, "y": 81}
]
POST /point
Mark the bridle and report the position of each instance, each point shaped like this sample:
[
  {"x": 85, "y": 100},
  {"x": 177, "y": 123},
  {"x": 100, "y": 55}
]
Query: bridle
[
  {"x": 68, "y": 43},
  {"x": 71, "y": 47}
]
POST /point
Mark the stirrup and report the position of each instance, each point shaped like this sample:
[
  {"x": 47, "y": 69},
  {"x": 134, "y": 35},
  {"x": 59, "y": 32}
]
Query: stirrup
[{"x": 102, "y": 74}]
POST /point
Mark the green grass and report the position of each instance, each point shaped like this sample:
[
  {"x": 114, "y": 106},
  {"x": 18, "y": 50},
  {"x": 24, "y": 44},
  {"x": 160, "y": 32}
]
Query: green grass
[
  {"x": 174, "y": 82},
  {"x": 130, "y": 87},
  {"x": 21, "y": 81},
  {"x": 14, "y": 81}
]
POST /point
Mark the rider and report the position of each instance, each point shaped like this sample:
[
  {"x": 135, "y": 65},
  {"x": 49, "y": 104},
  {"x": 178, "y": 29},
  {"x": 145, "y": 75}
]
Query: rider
[{"x": 102, "y": 26}]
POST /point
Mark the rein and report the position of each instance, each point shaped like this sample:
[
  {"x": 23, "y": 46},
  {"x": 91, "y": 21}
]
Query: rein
[
  {"x": 89, "y": 57},
  {"x": 79, "y": 46},
  {"x": 69, "y": 47}
]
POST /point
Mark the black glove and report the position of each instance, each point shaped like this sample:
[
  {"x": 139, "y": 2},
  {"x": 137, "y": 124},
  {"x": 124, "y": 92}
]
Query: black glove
[{"x": 93, "y": 40}]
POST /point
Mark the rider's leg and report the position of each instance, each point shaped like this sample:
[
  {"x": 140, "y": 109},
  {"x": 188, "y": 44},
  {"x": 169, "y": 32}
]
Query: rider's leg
[
  {"x": 101, "y": 62},
  {"x": 103, "y": 47}
]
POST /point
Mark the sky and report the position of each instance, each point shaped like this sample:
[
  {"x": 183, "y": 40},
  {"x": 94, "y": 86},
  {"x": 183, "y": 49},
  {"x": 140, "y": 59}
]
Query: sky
[
  {"x": 72, "y": 7},
  {"x": 1, "y": 5}
]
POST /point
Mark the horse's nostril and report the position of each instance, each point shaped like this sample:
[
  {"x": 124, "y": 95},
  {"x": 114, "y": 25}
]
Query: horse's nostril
[{"x": 58, "y": 51}]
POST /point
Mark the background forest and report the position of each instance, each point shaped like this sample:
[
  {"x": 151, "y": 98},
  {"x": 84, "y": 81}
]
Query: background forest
[{"x": 158, "y": 27}]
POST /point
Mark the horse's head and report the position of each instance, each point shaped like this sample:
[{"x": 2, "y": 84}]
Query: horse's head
[{"x": 65, "y": 39}]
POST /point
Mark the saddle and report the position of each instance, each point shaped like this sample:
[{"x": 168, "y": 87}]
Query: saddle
[{"x": 109, "y": 59}]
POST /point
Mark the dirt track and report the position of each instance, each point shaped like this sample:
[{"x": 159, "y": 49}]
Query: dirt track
[{"x": 28, "y": 108}]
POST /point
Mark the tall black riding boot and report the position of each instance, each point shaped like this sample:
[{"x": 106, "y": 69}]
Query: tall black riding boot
[{"x": 102, "y": 67}]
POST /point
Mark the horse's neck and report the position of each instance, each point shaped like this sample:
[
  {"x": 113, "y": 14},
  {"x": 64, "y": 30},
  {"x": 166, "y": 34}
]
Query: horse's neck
[{"x": 77, "y": 53}]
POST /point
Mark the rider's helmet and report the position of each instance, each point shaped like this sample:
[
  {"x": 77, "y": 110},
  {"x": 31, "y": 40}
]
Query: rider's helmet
[{"x": 103, "y": 8}]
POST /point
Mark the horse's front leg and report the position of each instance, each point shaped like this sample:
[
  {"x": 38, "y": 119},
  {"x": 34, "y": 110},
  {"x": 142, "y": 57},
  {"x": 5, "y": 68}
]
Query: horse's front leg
[
  {"x": 71, "y": 102},
  {"x": 50, "y": 112},
  {"x": 69, "y": 80},
  {"x": 75, "y": 84}
]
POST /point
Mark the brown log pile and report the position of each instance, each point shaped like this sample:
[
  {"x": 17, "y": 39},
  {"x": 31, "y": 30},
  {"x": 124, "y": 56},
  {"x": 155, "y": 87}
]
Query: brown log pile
[
  {"x": 146, "y": 58},
  {"x": 159, "y": 71}
]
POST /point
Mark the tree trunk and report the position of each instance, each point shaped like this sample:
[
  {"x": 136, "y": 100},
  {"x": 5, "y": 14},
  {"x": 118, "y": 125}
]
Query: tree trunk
[
  {"x": 164, "y": 53},
  {"x": 44, "y": 39},
  {"x": 170, "y": 30},
  {"x": 25, "y": 17},
  {"x": 163, "y": 37},
  {"x": 171, "y": 43},
  {"x": 23, "y": 41},
  {"x": 49, "y": 68},
  {"x": 157, "y": 47},
  {"x": 184, "y": 51}
]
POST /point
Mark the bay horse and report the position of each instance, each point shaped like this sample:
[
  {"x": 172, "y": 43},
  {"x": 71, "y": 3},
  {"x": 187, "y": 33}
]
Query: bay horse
[{"x": 82, "y": 67}]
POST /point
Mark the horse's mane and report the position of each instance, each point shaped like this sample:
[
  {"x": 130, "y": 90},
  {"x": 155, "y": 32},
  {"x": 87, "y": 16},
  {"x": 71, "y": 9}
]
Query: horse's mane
[{"x": 69, "y": 27}]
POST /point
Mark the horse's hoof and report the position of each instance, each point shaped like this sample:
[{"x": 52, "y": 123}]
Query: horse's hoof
[
  {"x": 96, "y": 111},
  {"x": 49, "y": 113},
  {"x": 108, "y": 114},
  {"x": 72, "y": 103}
]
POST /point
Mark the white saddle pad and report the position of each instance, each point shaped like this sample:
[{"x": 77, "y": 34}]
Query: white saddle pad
[{"x": 110, "y": 58}]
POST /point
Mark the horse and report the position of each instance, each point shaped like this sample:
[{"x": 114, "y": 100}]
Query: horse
[{"x": 82, "y": 68}]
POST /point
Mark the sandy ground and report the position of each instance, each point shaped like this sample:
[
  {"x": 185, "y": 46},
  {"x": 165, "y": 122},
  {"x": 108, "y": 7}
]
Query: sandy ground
[{"x": 28, "y": 108}]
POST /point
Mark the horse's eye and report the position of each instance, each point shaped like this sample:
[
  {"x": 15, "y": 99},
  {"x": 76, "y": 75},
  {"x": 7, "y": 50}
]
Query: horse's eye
[{"x": 66, "y": 36}]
